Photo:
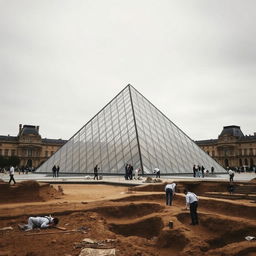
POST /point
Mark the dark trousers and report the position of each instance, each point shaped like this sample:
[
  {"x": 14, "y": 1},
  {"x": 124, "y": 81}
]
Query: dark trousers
[
  {"x": 169, "y": 196},
  {"x": 193, "y": 213},
  {"x": 158, "y": 175},
  {"x": 12, "y": 179},
  {"x": 54, "y": 174},
  {"x": 96, "y": 176},
  {"x": 231, "y": 177}
]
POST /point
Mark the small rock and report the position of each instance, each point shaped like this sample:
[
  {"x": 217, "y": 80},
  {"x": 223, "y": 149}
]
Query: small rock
[
  {"x": 89, "y": 241},
  {"x": 97, "y": 252},
  {"x": 53, "y": 241},
  {"x": 6, "y": 228},
  {"x": 110, "y": 240}
]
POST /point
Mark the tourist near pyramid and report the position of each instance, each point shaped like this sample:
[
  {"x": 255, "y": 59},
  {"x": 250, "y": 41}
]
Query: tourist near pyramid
[{"x": 129, "y": 129}]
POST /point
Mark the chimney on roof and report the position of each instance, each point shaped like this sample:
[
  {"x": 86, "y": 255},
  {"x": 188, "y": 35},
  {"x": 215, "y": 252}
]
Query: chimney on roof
[
  {"x": 20, "y": 127},
  {"x": 37, "y": 128},
  {"x": 255, "y": 134}
]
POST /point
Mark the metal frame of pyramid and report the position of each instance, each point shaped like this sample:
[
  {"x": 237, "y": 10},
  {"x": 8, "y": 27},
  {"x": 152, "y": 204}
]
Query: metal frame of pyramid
[{"x": 129, "y": 129}]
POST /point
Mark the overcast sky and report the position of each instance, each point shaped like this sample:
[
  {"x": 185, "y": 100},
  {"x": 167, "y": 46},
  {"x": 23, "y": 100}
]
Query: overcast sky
[{"x": 62, "y": 61}]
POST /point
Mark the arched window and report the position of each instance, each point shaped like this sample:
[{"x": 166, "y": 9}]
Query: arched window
[
  {"x": 245, "y": 161},
  {"x": 226, "y": 163},
  {"x": 251, "y": 162},
  {"x": 240, "y": 162},
  {"x": 29, "y": 163}
]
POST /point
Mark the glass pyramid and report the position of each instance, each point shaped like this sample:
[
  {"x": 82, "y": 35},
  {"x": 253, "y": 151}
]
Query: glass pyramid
[{"x": 129, "y": 129}]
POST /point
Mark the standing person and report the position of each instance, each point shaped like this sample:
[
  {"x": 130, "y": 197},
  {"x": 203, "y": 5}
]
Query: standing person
[
  {"x": 192, "y": 203},
  {"x": 130, "y": 171},
  {"x": 54, "y": 171},
  {"x": 157, "y": 172},
  {"x": 212, "y": 169},
  {"x": 136, "y": 173},
  {"x": 12, "y": 175},
  {"x": 231, "y": 175},
  {"x": 199, "y": 170},
  {"x": 126, "y": 171},
  {"x": 170, "y": 192},
  {"x": 57, "y": 170},
  {"x": 96, "y": 172},
  {"x": 194, "y": 171},
  {"x": 202, "y": 169}
]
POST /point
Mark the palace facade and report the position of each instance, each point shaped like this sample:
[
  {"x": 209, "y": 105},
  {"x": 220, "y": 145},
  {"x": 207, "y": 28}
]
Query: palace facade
[
  {"x": 29, "y": 146},
  {"x": 232, "y": 148}
]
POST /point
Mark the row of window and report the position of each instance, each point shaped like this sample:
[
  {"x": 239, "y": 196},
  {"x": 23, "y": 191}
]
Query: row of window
[
  {"x": 7, "y": 152},
  {"x": 240, "y": 152},
  {"x": 242, "y": 162},
  {"x": 25, "y": 152}
]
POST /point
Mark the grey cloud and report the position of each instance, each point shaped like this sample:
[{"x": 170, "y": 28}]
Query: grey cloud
[{"x": 62, "y": 61}]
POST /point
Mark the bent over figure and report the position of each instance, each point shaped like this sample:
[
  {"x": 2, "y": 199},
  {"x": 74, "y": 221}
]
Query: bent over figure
[
  {"x": 40, "y": 222},
  {"x": 170, "y": 191},
  {"x": 192, "y": 204}
]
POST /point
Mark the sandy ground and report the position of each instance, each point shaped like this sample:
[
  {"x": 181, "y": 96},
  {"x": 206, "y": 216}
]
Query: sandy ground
[{"x": 136, "y": 221}]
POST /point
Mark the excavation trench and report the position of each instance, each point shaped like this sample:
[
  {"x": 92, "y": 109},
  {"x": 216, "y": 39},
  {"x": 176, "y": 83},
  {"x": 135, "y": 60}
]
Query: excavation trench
[
  {"x": 131, "y": 210},
  {"x": 148, "y": 228}
]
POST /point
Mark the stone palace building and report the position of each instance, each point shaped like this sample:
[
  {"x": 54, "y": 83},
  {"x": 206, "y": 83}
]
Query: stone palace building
[
  {"x": 232, "y": 148},
  {"x": 29, "y": 146}
]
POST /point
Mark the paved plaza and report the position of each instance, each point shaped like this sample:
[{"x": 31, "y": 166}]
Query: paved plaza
[{"x": 242, "y": 177}]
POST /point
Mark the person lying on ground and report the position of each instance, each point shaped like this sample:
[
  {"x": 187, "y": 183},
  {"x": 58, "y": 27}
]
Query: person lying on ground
[{"x": 39, "y": 222}]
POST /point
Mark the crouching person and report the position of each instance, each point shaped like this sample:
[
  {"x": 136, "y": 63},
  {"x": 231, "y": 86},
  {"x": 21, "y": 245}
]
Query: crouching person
[{"x": 39, "y": 222}]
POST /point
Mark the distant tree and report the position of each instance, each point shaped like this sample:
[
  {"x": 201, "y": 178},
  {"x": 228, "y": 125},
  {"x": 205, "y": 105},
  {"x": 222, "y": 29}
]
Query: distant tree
[
  {"x": 14, "y": 161},
  {"x": 3, "y": 161}
]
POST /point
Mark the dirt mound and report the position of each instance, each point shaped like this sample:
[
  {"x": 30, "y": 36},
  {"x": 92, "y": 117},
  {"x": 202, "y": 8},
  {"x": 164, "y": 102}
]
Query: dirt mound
[
  {"x": 244, "y": 248},
  {"x": 27, "y": 191},
  {"x": 174, "y": 238},
  {"x": 253, "y": 180},
  {"x": 147, "y": 228},
  {"x": 222, "y": 231}
]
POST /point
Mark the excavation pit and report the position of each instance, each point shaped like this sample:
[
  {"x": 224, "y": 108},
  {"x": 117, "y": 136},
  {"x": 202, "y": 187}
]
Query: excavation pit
[
  {"x": 131, "y": 210},
  {"x": 148, "y": 228}
]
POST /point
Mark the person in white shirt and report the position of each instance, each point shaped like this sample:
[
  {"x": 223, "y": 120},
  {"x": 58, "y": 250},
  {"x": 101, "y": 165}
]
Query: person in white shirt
[
  {"x": 136, "y": 174},
  {"x": 231, "y": 175},
  {"x": 12, "y": 175},
  {"x": 157, "y": 172},
  {"x": 170, "y": 191},
  {"x": 192, "y": 203},
  {"x": 39, "y": 222}
]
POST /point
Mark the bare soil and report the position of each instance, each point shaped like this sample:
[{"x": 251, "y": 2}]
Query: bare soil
[{"x": 136, "y": 219}]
